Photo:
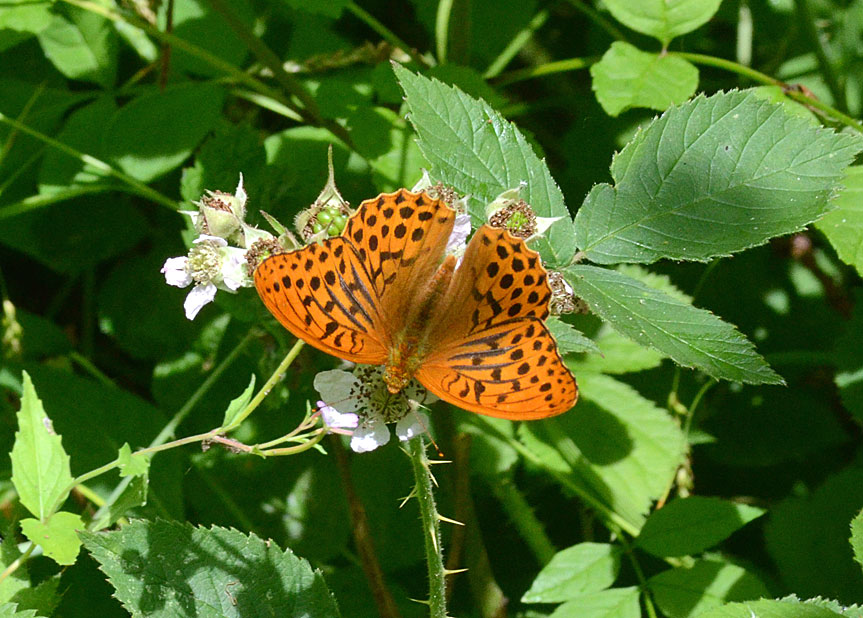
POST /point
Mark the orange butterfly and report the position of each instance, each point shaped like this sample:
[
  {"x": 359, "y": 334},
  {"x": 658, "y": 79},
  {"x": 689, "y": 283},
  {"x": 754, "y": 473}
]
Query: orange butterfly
[{"x": 383, "y": 293}]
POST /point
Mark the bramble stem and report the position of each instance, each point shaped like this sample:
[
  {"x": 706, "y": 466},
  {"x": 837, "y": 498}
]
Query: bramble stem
[
  {"x": 271, "y": 382},
  {"x": 424, "y": 491}
]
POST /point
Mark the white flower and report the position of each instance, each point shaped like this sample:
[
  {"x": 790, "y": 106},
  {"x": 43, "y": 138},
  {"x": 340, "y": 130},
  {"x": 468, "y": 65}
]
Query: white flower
[
  {"x": 211, "y": 265},
  {"x": 360, "y": 400}
]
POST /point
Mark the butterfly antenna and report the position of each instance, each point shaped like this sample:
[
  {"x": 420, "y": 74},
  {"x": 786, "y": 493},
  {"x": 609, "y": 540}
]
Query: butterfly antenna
[{"x": 428, "y": 433}]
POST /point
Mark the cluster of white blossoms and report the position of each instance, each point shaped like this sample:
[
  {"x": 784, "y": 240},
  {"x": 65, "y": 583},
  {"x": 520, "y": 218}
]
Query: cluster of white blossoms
[
  {"x": 212, "y": 264},
  {"x": 356, "y": 402}
]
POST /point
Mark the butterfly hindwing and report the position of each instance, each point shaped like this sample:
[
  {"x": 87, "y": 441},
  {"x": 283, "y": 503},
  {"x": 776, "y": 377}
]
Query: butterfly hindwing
[
  {"x": 323, "y": 294},
  {"x": 511, "y": 370}
]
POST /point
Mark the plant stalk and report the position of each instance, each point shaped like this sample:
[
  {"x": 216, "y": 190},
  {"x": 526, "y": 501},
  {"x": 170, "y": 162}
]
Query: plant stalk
[{"x": 424, "y": 493}]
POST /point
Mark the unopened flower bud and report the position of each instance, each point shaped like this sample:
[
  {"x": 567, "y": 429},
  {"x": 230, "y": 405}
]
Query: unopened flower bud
[
  {"x": 222, "y": 214},
  {"x": 328, "y": 214}
]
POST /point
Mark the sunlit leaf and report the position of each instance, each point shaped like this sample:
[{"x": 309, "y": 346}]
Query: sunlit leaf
[
  {"x": 586, "y": 567},
  {"x": 663, "y": 19},
  {"x": 691, "y": 337},
  {"x": 58, "y": 536},
  {"x": 40, "y": 466},
  {"x": 711, "y": 177},
  {"x": 167, "y": 569},
  {"x": 627, "y": 77},
  {"x": 477, "y": 151}
]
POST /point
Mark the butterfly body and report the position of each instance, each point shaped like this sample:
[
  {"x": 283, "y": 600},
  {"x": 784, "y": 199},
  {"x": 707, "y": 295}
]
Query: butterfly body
[{"x": 385, "y": 293}]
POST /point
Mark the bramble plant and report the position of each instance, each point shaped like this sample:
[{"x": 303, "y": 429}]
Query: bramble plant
[{"x": 182, "y": 453}]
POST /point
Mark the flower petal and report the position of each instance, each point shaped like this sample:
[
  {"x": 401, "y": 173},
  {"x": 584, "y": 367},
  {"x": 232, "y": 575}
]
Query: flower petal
[
  {"x": 175, "y": 272},
  {"x": 412, "y": 425},
  {"x": 543, "y": 223},
  {"x": 233, "y": 268},
  {"x": 460, "y": 232},
  {"x": 338, "y": 389},
  {"x": 197, "y": 298},
  {"x": 334, "y": 418},
  {"x": 219, "y": 242},
  {"x": 370, "y": 435}
]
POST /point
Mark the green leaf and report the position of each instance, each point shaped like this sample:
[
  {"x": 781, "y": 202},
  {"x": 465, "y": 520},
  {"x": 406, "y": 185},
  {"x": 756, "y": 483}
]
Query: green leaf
[
  {"x": 568, "y": 338},
  {"x": 25, "y": 16},
  {"x": 656, "y": 281},
  {"x": 627, "y": 77},
  {"x": 586, "y": 567},
  {"x": 767, "y": 608},
  {"x": 848, "y": 359},
  {"x": 688, "y": 526},
  {"x": 10, "y": 610},
  {"x": 154, "y": 133},
  {"x": 857, "y": 537},
  {"x": 685, "y": 592},
  {"x": 807, "y": 537},
  {"x": 167, "y": 569},
  {"x": 58, "y": 536},
  {"x": 618, "y": 444},
  {"x": 198, "y": 23},
  {"x": 18, "y": 579},
  {"x": 853, "y": 611},
  {"x": 663, "y": 19},
  {"x": 691, "y": 337},
  {"x": 153, "y": 335},
  {"x": 843, "y": 226},
  {"x": 82, "y": 45},
  {"x": 41, "y": 337},
  {"x": 102, "y": 227},
  {"x": 133, "y": 496},
  {"x": 633, "y": 445},
  {"x": 237, "y": 405},
  {"x": 617, "y": 355},
  {"x": 96, "y": 441},
  {"x": 711, "y": 177},
  {"x": 476, "y": 150},
  {"x": 231, "y": 149},
  {"x": 42, "y": 598},
  {"x": 611, "y": 603},
  {"x": 132, "y": 464},
  {"x": 491, "y": 456},
  {"x": 40, "y": 466},
  {"x": 83, "y": 131}
]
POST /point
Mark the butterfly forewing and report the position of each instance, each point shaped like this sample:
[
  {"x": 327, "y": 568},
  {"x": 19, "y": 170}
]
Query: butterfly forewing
[
  {"x": 401, "y": 238},
  {"x": 324, "y": 295},
  {"x": 499, "y": 279}
]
